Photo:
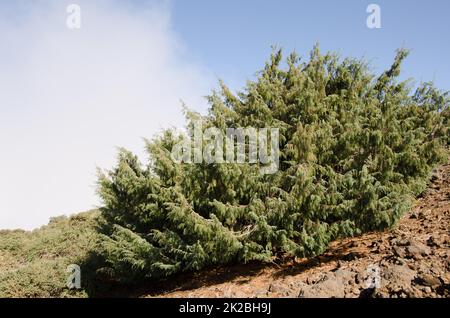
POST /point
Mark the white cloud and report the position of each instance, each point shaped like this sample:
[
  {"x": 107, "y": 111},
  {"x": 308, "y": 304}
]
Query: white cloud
[{"x": 69, "y": 97}]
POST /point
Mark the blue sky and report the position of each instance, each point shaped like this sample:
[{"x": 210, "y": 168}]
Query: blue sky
[
  {"x": 69, "y": 97},
  {"x": 233, "y": 37}
]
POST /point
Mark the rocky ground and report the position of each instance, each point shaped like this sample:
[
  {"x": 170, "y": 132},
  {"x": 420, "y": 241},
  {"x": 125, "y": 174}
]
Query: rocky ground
[{"x": 412, "y": 260}]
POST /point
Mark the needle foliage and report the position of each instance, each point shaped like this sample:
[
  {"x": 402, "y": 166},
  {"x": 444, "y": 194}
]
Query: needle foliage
[{"x": 355, "y": 148}]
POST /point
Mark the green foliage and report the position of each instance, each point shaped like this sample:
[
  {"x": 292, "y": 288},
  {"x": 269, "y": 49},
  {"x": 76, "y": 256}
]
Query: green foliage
[
  {"x": 33, "y": 264},
  {"x": 355, "y": 148}
]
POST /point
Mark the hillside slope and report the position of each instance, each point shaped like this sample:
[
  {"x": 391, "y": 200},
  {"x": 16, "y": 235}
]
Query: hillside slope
[{"x": 412, "y": 260}]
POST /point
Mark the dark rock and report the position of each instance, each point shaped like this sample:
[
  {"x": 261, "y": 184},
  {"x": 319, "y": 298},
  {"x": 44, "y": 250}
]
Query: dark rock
[
  {"x": 435, "y": 175},
  {"x": 426, "y": 289},
  {"x": 400, "y": 261},
  {"x": 329, "y": 286},
  {"x": 432, "y": 242},
  {"x": 367, "y": 293},
  {"x": 350, "y": 257},
  {"x": 345, "y": 276},
  {"x": 428, "y": 280},
  {"x": 401, "y": 242},
  {"x": 417, "y": 250},
  {"x": 399, "y": 251},
  {"x": 397, "y": 277},
  {"x": 279, "y": 288}
]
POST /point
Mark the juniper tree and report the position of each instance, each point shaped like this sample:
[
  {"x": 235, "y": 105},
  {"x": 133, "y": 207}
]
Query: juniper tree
[{"x": 354, "y": 150}]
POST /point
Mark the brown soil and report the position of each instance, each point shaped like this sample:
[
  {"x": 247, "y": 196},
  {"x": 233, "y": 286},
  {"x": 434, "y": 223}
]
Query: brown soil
[{"x": 411, "y": 260}]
